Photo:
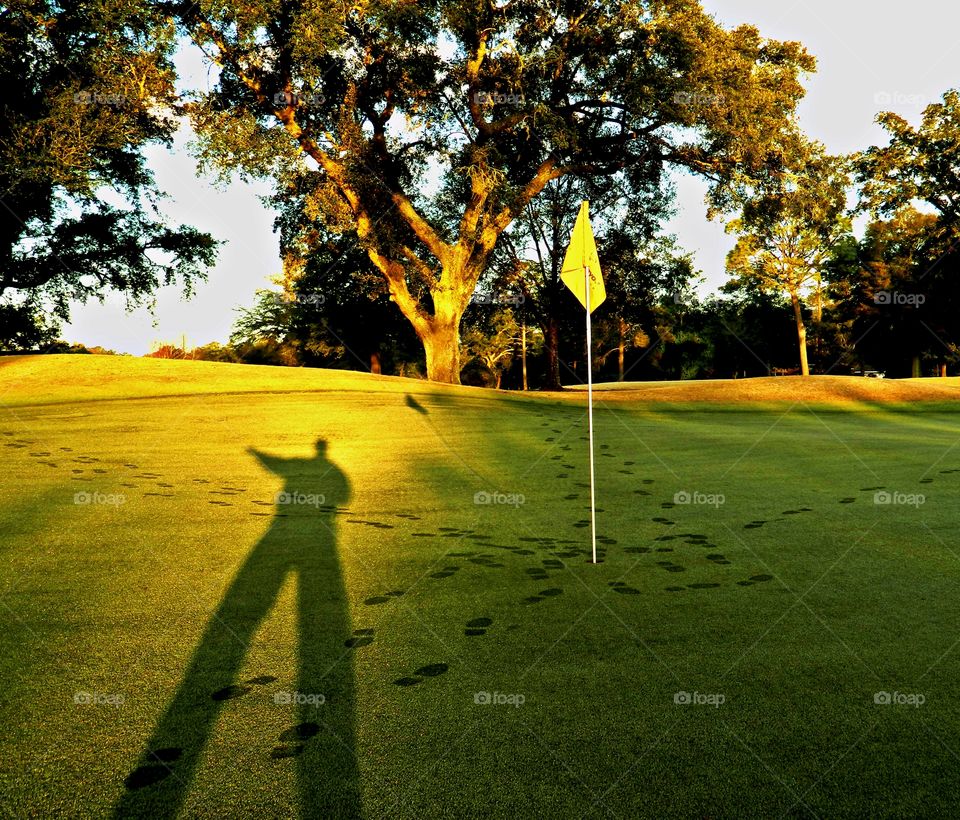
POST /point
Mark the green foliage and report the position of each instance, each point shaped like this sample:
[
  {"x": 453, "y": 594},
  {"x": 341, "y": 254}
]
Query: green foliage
[
  {"x": 492, "y": 339},
  {"x": 908, "y": 254},
  {"x": 789, "y": 223},
  {"x": 894, "y": 294},
  {"x": 25, "y": 327},
  {"x": 528, "y": 259},
  {"x": 267, "y": 351},
  {"x": 917, "y": 165},
  {"x": 214, "y": 352},
  {"x": 334, "y": 309},
  {"x": 87, "y": 86},
  {"x": 642, "y": 278}
]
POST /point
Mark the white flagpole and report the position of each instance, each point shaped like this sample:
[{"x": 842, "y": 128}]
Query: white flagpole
[{"x": 593, "y": 497}]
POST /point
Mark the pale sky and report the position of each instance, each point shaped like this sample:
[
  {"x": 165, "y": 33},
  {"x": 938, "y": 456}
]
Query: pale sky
[{"x": 870, "y": 59}]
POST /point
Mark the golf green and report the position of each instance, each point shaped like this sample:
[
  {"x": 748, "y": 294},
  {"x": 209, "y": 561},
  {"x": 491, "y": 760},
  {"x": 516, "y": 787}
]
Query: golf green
[{"x": 232, "y": 591}]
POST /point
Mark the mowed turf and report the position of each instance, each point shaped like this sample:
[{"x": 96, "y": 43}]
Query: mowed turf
[{"x": 412, "y": 627}]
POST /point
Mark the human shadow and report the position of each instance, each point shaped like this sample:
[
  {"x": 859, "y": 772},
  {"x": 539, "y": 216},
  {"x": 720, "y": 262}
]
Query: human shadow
[{"x": 301, "y": 540}]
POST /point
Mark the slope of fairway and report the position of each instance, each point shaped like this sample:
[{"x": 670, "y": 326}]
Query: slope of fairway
[
  {"x": 229, "y": 591},
  {"x": 812, "y": 390},
  {"x": 51, "y": 379}
]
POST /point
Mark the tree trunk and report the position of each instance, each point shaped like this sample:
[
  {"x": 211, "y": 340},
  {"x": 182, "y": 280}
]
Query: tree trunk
[
  {"x": 523, "y": 352},
  {"x": 438, "y": 333},
  {"x": 551, "y": 340},
  {"x": 621, "y": 350},
  {"x": 915, "y": 368},
  {"x": 801, "y": 334},
  {"x": 441, "y": 343},
  {"x": 943, "y": 371},
  {"x": 375, "y": 363}
]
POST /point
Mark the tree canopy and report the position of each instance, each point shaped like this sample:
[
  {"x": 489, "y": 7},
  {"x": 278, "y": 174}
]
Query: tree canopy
[
  {"x": 86, "y": 86},
  {"x": 427, "y": 128}
]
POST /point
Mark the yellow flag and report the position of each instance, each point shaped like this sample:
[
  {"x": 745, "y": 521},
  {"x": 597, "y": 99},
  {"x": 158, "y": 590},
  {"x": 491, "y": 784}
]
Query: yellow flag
[{"x": 582, "y": 256}]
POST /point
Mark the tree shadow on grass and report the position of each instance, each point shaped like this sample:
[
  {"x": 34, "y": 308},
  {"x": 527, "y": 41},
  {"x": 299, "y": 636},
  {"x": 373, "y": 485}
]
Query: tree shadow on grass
[{"x": 301, "y": 540}]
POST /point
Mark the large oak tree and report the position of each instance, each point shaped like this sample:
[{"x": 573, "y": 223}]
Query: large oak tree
[{"x": 430, "y": 126}]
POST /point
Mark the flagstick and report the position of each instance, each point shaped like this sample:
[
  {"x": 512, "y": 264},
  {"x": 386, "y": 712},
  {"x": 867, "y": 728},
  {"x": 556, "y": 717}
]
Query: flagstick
[{"x": 593, "y": 497}]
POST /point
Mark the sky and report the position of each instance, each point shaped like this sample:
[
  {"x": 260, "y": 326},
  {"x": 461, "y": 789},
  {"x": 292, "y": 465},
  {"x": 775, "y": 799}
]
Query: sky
[{"x": 869, "y": 60}]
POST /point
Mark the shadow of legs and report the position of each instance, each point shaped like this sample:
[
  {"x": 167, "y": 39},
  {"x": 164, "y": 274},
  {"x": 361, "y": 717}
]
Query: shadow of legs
[{"x": 158, "y": 785}]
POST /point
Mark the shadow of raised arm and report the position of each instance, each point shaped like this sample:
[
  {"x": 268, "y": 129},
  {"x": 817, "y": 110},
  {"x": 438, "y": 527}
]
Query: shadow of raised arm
[{"x": 272, "y": 463}]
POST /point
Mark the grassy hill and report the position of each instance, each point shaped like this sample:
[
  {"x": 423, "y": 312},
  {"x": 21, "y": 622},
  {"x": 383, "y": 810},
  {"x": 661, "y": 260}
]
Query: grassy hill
[
  {"x": 49, "y": 379},
  {"x": 202, "y": 609}
]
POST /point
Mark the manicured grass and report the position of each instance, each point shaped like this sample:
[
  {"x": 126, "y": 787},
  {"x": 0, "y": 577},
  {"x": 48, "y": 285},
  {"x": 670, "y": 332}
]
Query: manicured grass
[{"x": 199, "y": 581}]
